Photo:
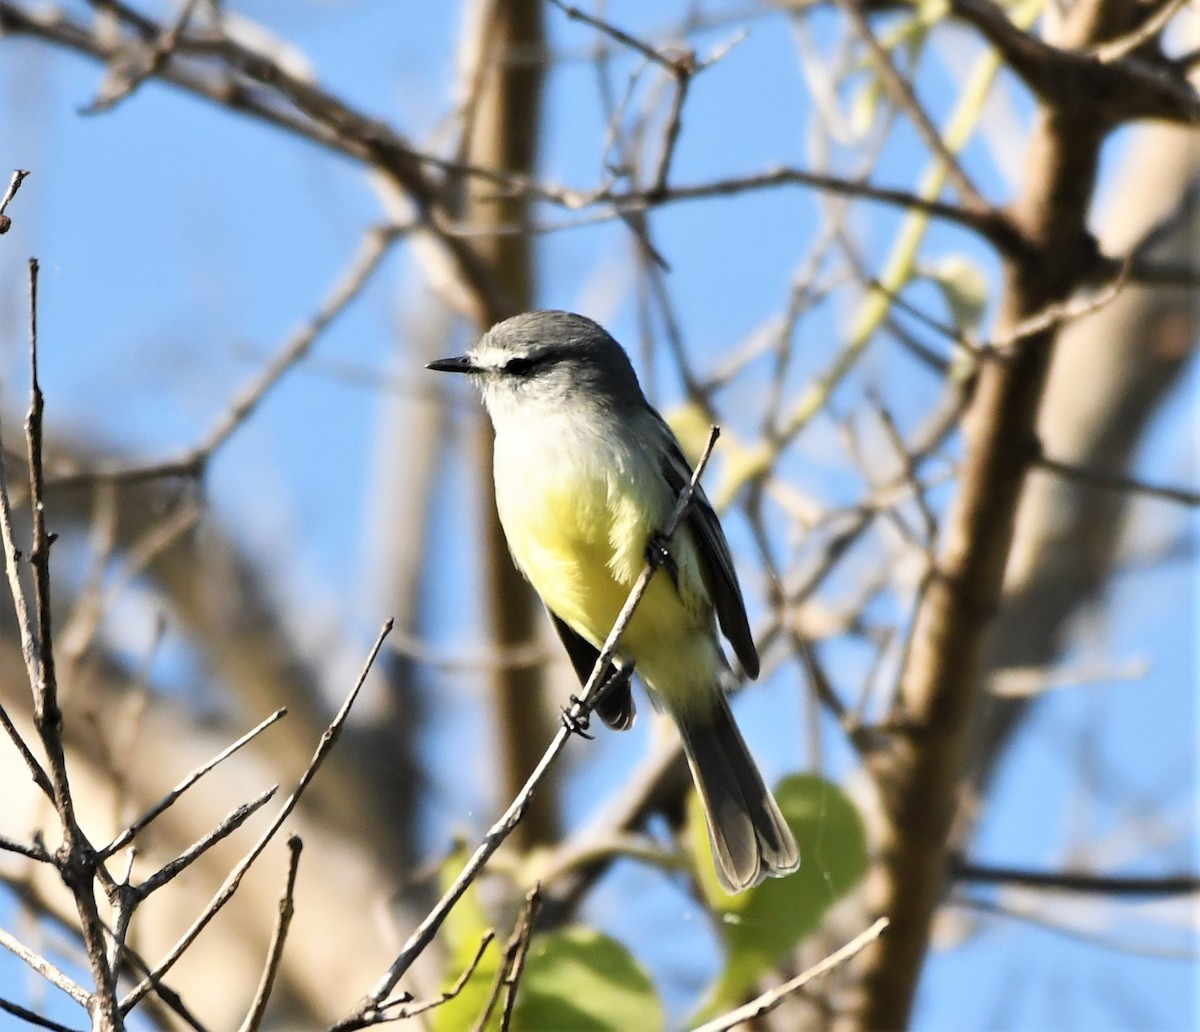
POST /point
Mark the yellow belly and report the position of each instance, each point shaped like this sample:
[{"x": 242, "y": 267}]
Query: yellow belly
[{"x": 582, "y": 544}]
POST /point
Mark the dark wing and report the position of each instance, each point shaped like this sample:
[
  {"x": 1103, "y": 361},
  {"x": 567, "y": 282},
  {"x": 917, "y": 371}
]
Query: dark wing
[
  {"x": 616, "y": 708},
  {"x": 715, "y": 559}
]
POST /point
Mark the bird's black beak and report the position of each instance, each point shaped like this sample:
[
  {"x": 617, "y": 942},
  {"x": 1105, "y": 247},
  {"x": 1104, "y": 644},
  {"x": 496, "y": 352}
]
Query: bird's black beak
[{"x": 461, "y": 364}]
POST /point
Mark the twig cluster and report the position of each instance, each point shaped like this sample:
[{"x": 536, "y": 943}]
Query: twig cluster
[{"x": 82, "y": 865}]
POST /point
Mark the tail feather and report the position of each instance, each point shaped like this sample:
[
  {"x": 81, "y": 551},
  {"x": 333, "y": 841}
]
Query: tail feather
[{"x": 750, "y": 839}]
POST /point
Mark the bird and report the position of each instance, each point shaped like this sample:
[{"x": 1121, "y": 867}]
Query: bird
[{"x": 587, "y": 474}]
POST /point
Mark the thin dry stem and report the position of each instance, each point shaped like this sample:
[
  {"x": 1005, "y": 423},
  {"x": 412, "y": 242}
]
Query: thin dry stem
[
  {"x": 234, "y": 880},
  {"x": 287, "y": 908},
  {"x": 768, "y": 1001}
]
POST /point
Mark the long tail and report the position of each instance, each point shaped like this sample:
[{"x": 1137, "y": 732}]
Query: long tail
[{"x": 750, "y": 839}]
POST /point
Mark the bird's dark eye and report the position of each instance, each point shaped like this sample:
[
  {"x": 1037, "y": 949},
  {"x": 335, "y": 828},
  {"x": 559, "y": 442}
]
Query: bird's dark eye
[{"x": 518, "y": 366}]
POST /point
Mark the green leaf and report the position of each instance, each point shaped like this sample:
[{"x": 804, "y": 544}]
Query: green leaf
[
  {"x": 965, "y": 289},
  {"x": 464, "y": 926},
  {"x": 581, "y": 980},
  {"x": 762, "y": 925},
  {"x": 864, "y": 106},
  {"x": 463, "y": 931},
  {"x": 462, "y": 1011}
]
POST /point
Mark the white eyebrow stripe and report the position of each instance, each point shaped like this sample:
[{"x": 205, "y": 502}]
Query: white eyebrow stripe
[{"x": 488, "y": 356}]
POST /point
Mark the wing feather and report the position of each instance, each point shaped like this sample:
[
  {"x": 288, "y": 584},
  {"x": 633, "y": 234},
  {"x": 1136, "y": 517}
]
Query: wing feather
[
  {"x": 616, "y": 708},
  {"x": 715, "y": 559}
]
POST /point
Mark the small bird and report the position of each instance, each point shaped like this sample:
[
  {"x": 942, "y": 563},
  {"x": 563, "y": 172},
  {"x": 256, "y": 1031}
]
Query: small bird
[{"x": 587, "y": 475}]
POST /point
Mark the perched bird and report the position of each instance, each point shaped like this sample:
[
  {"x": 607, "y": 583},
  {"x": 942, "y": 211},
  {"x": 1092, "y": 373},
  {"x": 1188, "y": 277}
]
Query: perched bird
[{"x": 587, "y": 474}]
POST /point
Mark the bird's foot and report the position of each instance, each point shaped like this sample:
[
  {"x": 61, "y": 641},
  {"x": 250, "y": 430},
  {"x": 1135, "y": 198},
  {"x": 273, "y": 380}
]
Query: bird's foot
[
  {"x": 658, "y": 554},
  {"x": 576, "y": 725}
]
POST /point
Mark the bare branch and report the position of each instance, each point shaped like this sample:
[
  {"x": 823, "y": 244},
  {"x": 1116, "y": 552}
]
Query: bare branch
[
  {"x": 991, "y": 225},
  {"x": 1150, "y": 28},
  {"x": 258, "y": 1007},
  {"x": 620, "y": 35},
  {"x": 47, "y": 970},
  {"x": 1112, "y": 90},
  {"x": 768, "y": 1001},
  {"x": 33, "y": 850},
  {"x": 1060, "y": 313},
  {"x": 189, "y": 856},
  {"x": 920, "y": 774},
  {"x": 1037, "y": 917},
  {"x": 75, "y": 859},
  {"x": 234, "y": 880},
  {"x": 512, "y": 962},
  {"x": 131, "y": 832},
  {"x": 36, "y": 771},
  {"x": 14, "y": 184},
  {"x": 254, "y": 85},
  {"x": 411, "y": 1010}
]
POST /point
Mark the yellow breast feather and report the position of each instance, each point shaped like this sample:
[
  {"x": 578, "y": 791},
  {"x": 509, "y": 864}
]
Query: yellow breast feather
[{"x": 580, "y": 539}]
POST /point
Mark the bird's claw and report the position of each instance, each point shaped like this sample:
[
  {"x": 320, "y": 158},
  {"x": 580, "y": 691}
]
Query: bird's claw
[
  {"x": 658, "y": 554},
  {"x": 576, "y": 725}
]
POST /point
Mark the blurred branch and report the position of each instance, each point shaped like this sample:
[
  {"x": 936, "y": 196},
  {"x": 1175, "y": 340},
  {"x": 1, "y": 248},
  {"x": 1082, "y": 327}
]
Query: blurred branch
[
  {"x": 1036, "y": 915},
  {"x": 1164, "y": 274},
  {"x": 504, "y": 131},
  {"x": 1110, "y": 377},
  {"x": 906, "y": 100},
  {"x": 619, "y": 202},
  {"x": 329, "y": 122},
  {"x": 1117, "y": 482},
  {"x": 236, "y": 77},
  {"x": 680, "y": 65},
  {"x": 1152, "y": 26},
  {"x": 123, "y": 81},
  {"x": 47, "y": 970},
  {"x": 620, "y": 35},
  {"x": 990, "y": 224},
  {"x": 31, "y": 1018},
  {"x": 192, "y": 463},
  {"x": 468, "y": 208},
  {"x": 898, "y": 270},
  {"x": 1110, "y": 90},
  {"x": 512, "y": 965},
  {"x": 1071, "y": 881}
]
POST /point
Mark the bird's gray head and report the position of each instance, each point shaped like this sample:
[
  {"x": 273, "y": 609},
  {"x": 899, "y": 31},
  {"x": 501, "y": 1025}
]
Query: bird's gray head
[{"x": 548, "y": 359}]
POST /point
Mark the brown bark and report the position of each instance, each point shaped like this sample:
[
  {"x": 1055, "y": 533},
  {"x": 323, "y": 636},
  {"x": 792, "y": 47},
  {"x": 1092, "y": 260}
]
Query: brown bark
[
  {"x": 1110, "y": 373},
  {"x": 509, "y": 41},
  {"x": 921, "y": 773}
]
